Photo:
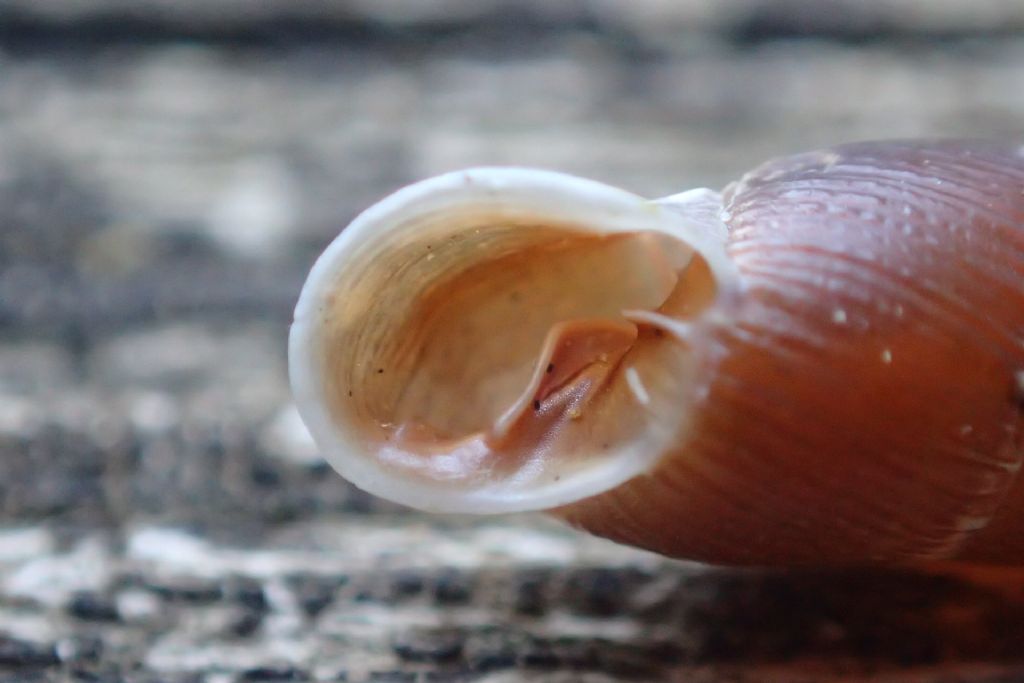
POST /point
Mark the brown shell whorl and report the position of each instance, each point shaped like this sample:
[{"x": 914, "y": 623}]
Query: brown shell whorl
[{"x": 868, "y": 406}]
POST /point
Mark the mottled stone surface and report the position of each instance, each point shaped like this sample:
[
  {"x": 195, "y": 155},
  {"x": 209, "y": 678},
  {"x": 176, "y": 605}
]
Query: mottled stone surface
[{"x": 168, "y": 171}]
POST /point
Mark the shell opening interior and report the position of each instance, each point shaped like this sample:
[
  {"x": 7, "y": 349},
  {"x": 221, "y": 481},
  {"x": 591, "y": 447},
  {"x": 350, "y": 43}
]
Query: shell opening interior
[{"x": 508, "y": 358}]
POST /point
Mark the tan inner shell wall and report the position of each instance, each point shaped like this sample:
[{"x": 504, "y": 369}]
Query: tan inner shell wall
[{"x": 463, "y": 348}]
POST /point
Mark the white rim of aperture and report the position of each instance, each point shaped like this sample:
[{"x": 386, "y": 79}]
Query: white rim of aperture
[{"x": 504, "y": 192}]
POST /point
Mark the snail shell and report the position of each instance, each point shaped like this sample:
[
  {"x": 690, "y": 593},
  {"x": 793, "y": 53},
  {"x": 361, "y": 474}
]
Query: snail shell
[{"x": 822, "y": 365}]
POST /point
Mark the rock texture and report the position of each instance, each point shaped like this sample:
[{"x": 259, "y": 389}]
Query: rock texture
[{"x": 168, "y": 171}]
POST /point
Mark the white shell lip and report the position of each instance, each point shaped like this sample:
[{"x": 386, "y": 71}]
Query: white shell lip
[{"x": 504, "y": 192}]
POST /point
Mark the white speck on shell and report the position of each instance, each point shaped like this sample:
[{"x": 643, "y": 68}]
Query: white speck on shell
[
  {"x": 839, "y": 316},
  {"x": 886, "y": 356},
  {"x": 973, "y": 523},
  {"x": 829, "y": 159},
  {"x": 1012, "y": 466}
]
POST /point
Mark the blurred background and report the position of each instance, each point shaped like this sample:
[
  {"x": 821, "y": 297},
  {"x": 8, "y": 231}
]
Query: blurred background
[{"x": 168, "y": 171}]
